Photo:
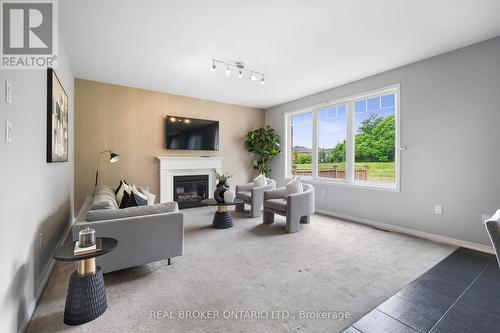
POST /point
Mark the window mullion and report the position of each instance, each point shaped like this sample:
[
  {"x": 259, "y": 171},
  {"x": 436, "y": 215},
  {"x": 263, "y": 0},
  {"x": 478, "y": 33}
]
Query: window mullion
[
  {"x": 314, "y": 156},
  {"x": 349, "y": 164}
]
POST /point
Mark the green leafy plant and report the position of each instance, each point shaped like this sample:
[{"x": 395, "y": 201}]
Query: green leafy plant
[
  {"x": 265, "y": 144},
  {"x": 223, "y": 177}
]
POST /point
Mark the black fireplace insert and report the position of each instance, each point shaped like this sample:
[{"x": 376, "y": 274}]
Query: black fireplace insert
[{"x": 189, "y": 191}]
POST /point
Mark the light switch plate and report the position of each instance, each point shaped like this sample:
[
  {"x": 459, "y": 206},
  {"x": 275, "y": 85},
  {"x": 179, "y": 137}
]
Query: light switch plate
[
  {"x": 8, "y": 92},
  {"x": 8, "y": 131}
]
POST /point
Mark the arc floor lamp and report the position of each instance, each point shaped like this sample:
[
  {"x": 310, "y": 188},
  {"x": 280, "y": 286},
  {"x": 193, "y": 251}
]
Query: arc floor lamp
[{"x": 113, "y": 158}]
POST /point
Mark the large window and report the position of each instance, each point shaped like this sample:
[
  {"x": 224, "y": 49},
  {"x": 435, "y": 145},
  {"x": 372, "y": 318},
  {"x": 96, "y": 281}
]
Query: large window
[{"x": 353, "y": 140}]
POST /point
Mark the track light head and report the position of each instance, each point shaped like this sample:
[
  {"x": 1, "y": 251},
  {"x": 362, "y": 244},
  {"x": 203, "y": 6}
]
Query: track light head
[
  {"x": 212, "y": 69},
  {"x": 240, "y": 73},
  {"x": 228, "y": 71},
  {"x": 262, "y": 80}
]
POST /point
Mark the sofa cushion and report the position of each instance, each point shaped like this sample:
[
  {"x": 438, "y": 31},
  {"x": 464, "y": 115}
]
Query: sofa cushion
[
  {"x": 244, "y": 195},
  {"x": 104, "y": 198},
  {"x": 276, "y": 204},
  {"x": 99, "y": 215},
  {"x": 104, "y": 189}
]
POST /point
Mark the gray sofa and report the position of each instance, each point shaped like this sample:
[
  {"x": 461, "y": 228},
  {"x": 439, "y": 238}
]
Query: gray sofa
[
  {"x": 253, "y": 196},
  {"x": 296, "y": 207},
  {"x": 145, "y": 234}
]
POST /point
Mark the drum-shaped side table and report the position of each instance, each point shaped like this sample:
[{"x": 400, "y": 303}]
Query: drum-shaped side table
[
  {"x": 222, "y": 217},
  {"x": 86, "y": 296}
]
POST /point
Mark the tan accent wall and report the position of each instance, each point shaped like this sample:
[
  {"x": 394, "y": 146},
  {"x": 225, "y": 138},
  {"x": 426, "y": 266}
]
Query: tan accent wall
[{"x": 130, "y": 122}]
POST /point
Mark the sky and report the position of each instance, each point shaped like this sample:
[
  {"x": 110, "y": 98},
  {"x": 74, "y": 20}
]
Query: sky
[{"x": 332, "y": 121}]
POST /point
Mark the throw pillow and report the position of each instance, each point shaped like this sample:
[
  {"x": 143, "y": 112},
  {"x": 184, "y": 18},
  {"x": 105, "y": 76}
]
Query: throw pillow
[
  {"x": 125, "y": 196},
  {"x": 151, "y": 196},
  {"x": 294, "y": 186},
  {"x": 135, "y": 200},
  {"x": 259, "y": 181},
  {"x": 139, "y": 195},
  {"x": 120, "y": 189}
]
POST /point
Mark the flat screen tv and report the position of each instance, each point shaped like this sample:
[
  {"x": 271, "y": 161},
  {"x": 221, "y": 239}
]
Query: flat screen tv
[{"x": 191, "y": 134}]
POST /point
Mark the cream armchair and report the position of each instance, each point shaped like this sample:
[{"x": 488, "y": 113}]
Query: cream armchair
[
  {"x": 296, "y": 207},
  {"x": 493, "y": 229},
  {"x": 253, "y": 196}
]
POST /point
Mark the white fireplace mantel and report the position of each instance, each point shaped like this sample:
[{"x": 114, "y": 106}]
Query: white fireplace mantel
[{"x": 185, "y": 166}]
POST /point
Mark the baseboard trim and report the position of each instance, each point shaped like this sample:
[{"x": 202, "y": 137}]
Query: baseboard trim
[
  {"x": 411, "y": 232},
  {"x": 50, "y": 266}
]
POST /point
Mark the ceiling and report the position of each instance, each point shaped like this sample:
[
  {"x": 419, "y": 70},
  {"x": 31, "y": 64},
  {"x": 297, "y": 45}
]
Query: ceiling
[{"x": 303, "y": 47}]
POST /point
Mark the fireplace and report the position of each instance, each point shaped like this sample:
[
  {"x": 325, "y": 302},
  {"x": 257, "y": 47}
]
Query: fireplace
[{"x": 190, "y": 190}]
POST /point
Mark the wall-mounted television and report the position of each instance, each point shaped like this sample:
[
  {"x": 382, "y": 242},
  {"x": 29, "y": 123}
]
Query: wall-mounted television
[{"x": 191, "y": 134}]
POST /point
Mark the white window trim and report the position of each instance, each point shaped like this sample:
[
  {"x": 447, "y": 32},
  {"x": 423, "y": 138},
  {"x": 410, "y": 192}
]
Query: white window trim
[{"x": 349, "y": 102}]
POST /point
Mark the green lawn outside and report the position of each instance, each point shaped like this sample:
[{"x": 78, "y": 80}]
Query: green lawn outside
[{"x": 377, "y": 171}]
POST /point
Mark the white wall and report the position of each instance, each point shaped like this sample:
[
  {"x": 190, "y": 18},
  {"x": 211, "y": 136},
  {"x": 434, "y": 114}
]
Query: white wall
[
  {"x": 36, "y": 196},
  {"x": 450, "y": 113}
]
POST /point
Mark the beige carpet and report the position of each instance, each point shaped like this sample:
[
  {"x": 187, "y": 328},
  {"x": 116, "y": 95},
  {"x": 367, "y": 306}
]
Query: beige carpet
[{"x": 330, "y": 265}]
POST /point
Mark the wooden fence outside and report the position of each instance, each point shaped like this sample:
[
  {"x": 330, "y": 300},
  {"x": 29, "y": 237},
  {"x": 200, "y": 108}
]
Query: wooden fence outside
[{"x": 359, "y": 174}]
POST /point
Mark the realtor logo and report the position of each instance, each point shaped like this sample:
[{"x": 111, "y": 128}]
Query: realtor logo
[{"x": 29, "y": 34}]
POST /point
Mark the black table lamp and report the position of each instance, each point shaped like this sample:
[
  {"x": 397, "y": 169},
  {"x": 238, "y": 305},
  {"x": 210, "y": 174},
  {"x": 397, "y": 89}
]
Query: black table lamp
[{"x": 113, "y": 157}]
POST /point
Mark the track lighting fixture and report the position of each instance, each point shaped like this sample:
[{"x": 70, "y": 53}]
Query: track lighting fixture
[{"x": 240, "y": 67}]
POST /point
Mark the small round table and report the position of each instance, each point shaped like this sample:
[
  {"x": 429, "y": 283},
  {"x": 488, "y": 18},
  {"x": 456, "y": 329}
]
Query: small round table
[
  {"x": 86, "y": 296},
  {"x": 222, "y": 218}
]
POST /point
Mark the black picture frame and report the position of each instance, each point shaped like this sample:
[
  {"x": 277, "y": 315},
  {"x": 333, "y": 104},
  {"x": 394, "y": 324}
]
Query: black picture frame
[{"x": 57, "y": 119}]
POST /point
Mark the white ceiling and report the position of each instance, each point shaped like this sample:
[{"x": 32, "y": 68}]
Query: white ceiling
[{"x": 303, "y": 46}]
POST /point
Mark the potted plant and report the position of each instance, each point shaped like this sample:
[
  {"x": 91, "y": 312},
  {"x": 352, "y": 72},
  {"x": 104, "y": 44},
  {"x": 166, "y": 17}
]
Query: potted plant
[
  {"x": 223, "y": 178},
  {"x": 265, "y": 144}
]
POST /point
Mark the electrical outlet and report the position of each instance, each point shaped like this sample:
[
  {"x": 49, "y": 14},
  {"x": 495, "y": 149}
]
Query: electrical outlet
[
  {"x": 438, "y": 209},
  {"x": 8, "y": 132},
  {"x": 8, "y": 92},
  {"x": 41, "y": 240}
]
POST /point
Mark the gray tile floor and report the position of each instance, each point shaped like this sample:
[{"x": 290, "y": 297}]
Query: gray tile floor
[{"x": 459, "y": 294}]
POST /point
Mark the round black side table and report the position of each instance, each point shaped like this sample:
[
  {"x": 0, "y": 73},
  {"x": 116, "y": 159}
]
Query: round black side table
[
  {"x": 86, "y": 296},
  {"x": 222, "y": 217}
]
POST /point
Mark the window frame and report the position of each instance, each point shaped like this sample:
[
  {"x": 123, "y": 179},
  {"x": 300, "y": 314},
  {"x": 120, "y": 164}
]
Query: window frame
[{"x": 349, "y": 102}]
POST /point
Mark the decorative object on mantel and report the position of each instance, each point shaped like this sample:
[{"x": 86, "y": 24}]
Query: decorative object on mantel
[
  {"x": 265, "y": 143},
  {"x": 239, "y": 67},
  {"x": 229, "y": 196},
  {"x": 113, "y": 158},
  {"x": 57, "y": 119},
  {"x": 222, "y": 186}
]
